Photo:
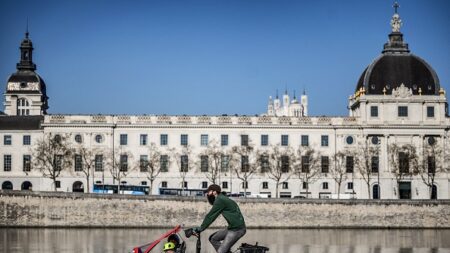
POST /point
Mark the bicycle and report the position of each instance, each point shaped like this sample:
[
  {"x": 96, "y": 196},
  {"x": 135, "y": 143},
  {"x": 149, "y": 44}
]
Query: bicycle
[{"x": 244, "y": 248}]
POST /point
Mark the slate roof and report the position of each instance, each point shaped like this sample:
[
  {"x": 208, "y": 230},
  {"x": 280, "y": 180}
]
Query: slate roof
[{"x": 21, "y": 122}]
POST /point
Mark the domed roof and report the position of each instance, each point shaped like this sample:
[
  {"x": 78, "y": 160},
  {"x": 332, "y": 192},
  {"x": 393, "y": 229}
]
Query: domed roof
[
  {"x": 24, "y": 77},
  {"x": 397, "y": 66},
  {"x": 25, "y": 80}
]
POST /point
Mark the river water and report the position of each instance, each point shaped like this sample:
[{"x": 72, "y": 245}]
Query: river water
[{"x": 278, "y": 240}]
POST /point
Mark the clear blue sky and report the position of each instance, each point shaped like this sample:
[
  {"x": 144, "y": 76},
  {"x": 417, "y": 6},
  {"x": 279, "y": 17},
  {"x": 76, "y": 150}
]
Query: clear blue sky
[{"x": 212, "y": 57}]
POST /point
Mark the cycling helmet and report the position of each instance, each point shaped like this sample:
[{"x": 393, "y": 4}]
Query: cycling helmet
[{"x": 169, "y": 246}]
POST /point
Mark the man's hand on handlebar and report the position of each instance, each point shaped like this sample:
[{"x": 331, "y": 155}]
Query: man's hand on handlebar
[
  {"x": 196, "y": 230},
  {"x": 192, "y": 231}
]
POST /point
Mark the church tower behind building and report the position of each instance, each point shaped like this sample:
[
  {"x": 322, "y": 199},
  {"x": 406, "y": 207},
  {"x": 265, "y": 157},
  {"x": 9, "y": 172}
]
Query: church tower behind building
[{"x": 289, "y": 108}]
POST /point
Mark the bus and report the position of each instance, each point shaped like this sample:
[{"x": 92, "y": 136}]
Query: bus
[
  {"x": 182, "y": 192},
  {"x": 124, "y": 189}
]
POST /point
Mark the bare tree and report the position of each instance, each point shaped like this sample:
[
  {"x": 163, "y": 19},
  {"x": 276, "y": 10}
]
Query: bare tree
[
  {"x": 403, "y": 160},
  {"x": 367, "y": 162},
  {"x": 183, "y": 163},
  {"x": 339, "y": 171},
  {"x": 430, "y": 164},
  {"x": 307, "y": 167},
  {"x": 52, "y": 154},
  {"x": 211, "y": 161},
  {"x": 446, "y": 154},
  {"x": 279, "y": 167},
  {"x": 244, "y": 163},
  {"x": 120, "y": 165},
  {"x": 87, "y": 156},
  {"x": 226, "y": 167},
  {"x": 155, "y": 162}
]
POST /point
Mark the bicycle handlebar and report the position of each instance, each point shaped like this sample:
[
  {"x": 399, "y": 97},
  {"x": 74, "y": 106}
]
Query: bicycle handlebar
[{"x": 190, "y": 232}]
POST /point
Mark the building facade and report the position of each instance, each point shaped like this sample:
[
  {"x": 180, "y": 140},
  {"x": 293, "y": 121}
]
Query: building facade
[{"x": 394, "y": 143}]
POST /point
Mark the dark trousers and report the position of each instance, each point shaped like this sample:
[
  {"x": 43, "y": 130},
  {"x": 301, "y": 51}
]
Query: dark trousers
[{"x": 223, "y": 240}]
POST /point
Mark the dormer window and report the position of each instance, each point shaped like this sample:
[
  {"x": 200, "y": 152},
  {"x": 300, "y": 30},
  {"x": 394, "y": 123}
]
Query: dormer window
[{"x": 23, "y": 107}]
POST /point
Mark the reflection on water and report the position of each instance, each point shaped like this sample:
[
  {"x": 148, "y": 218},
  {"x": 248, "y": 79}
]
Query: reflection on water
[{"x": 279, "y": 241}]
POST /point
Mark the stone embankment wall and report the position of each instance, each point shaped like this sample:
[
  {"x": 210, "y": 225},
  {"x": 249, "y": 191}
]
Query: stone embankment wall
[{"x": 44, "y": 209}]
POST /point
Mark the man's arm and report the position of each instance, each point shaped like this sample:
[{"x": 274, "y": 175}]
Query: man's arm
[{"x": 215, "y": 211}]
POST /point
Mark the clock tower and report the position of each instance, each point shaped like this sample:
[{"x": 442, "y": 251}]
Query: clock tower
[{"x": 25, "y": 90}]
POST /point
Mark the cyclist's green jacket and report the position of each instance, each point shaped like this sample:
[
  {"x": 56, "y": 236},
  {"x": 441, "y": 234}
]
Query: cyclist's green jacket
[{"x": 229, "y": 210}]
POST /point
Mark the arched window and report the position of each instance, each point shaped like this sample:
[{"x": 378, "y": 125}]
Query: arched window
[
  {"x": 434, "y": 192},
  {"x": 376, "y": 191},
  {"x": 7, "y": 185},
  {"x": 77, "y": 187},
  {"x": 23, "y": 107},
  {"x": 27, "y": 186}
]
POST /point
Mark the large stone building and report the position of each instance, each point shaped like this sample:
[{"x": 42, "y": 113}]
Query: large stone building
[{"x": 394, "y": 143}]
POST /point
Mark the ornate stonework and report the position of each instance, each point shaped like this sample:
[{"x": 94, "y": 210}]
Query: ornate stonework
[
  {"x": 15, "y": 86},
  {"x": 402, "y": 91}
]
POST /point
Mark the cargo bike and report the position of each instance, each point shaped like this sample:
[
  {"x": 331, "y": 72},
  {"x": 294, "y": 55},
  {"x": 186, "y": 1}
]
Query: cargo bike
[{"x": 181, "y": 245}]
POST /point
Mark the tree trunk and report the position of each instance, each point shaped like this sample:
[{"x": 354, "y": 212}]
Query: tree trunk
[
  {"x": 54, "y": 184},
  {"x": 245, "y": 188},
  {"x": 87, "y": 182},
  {"x": 339, "y": 190},
  {"x": 118, "y": 184},
  {"x": 307, "y": 188},
  {"x": 276, "y": 190},
  {"x": 151, "y": 187}
]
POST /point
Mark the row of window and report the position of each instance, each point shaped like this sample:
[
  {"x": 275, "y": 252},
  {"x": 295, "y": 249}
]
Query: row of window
[
  {"x": 402, "y": 111},
  {"x": 224, "y": 163},
  {"x": 204, "y": 140},
  {"x": 324, "y": 141},
  {"x": 7, "y": 140},
  {"x": 145, "y": 166},
  {"x": 245, "y": 165}
]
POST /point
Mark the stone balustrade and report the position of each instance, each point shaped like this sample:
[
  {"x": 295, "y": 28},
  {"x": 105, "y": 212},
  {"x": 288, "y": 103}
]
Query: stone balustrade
[{"x": 197, "y": 120}]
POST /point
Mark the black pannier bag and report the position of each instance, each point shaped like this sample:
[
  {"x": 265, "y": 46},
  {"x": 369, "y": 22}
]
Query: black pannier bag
[{"x": 248, "y": 248}]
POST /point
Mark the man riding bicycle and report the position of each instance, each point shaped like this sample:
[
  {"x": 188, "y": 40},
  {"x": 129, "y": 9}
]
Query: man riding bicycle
[{"x": 223, "y": 240}]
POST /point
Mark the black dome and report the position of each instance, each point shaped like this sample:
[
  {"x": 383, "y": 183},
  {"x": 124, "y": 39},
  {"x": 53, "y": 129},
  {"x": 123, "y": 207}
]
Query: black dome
[
  {"x": 396, "y": 66},
  {"x": 27, "y": 76}
]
